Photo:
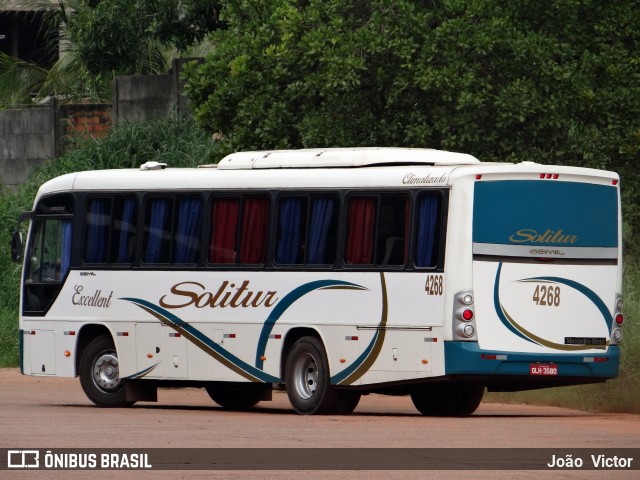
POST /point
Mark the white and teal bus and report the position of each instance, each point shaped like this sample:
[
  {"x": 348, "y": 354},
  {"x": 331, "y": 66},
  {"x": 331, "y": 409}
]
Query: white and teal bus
[{"x": 331, "y": 273}]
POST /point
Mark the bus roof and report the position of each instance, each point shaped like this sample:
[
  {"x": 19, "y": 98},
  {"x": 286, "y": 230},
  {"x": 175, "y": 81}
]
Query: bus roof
[{"x": 288, "y": 169}]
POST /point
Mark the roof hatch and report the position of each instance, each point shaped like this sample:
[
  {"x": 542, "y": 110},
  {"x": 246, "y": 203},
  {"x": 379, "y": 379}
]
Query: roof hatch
[{"x": 342, "y": 158}]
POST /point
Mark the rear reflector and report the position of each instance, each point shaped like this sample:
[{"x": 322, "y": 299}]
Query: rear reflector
[
  {"x": 595, "y": 359},
  {"x": 491, "y": 356}
]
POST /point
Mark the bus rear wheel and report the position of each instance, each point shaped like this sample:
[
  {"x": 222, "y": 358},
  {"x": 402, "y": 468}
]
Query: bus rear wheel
[
  {"x": 347, "y": 402},
  {"x": 307, "y": 379},
  {"x": 236, "y": 396},
  {"x": 100, "y": 374},
  {"x": 449, "y": 400}
]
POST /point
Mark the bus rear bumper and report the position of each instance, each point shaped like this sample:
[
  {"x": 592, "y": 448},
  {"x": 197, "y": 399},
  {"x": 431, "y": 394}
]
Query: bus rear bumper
[{"x": 466, "y": 358}]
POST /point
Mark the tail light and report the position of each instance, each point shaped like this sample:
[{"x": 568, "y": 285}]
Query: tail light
[
  {"x": 464, "y": 327},
  {"x": 616, "y": 332}
]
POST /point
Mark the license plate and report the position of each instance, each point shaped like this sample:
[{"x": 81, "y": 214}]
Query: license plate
[{"x": 543, "y": 369}]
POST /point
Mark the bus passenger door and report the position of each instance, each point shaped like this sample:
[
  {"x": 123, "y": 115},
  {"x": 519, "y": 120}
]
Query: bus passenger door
[{"x": 149, "y": 353}]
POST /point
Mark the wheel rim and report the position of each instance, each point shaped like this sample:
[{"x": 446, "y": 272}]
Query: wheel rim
[
  {"x": 305, "y": 376},
  {"x": 106, "y": 373}
]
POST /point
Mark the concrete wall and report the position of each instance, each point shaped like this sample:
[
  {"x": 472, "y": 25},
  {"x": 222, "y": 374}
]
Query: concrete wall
[
  {"x": 27, "y": 138},
  {"x": 31, "y": 134},
  {"x": 138, "y": 98}
]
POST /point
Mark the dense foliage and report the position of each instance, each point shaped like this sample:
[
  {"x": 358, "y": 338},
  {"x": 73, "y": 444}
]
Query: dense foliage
[
  {"x": 125, "y": 37},
  {"x": 551, "y": 82}
]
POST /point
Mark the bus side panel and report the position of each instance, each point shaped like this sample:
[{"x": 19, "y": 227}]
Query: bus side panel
[{"x": 231, "y": 326}]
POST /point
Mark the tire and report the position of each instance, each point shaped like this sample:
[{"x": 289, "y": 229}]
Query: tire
[
  {"x": 307, "y": 379},
  {"x": 347, "y": 401},
  {"x": 236, "y": 396},
  {"x": 449, "y": 400},
  {"x": 100, "y": 375}
]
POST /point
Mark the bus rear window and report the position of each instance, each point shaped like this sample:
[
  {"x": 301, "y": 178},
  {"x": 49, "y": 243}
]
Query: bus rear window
[{"x": 524, "y": 218}]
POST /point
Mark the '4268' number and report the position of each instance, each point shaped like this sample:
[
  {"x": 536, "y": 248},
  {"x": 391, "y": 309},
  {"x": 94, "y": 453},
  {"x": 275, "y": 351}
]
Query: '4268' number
[
  {"x": 434, "y": 285},
  {"x": 547, "y": 295}
]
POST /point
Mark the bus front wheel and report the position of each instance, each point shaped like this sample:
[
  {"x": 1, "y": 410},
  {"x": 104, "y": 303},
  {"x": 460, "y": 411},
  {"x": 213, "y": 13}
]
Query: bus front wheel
[{"x": 100, "y": 374}]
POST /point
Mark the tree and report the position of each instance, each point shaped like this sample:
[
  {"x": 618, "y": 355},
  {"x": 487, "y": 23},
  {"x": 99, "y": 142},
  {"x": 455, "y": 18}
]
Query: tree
[{"x": 551, "y": 82}]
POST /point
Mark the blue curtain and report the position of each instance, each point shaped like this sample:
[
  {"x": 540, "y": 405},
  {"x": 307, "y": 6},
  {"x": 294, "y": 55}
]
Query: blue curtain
[
  {"x": 427, "y": 223},
  {"x": 187, "y": 240},
  {"x": 95, "y": 250},
  {"x": 126, "y": 231},
  {"x": 157, "y": 220},
  {"x": 289, "y": 231},
  {"x": 321, "y": 214},
  {"x": 65, "y": 255}
]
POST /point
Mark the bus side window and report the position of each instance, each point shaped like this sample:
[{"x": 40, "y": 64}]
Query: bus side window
[
  {"x": 393, "y": 230},
  {"x": 239, "y": 229},
  {"x": 292, "y": 212},
  {"x": 255, "y": 229},
  {"x": 224, "y": 230},
  {"x": 157, "y": 235},
  {"x": 377, "y": 230},
  {"x": 323, "y": 231},
  {"x": 361, "y": 220},
  {"x": 123, "y": 239},
  {"x": 428, "y": 230},
  {"x": 188, "y": 227},
  {"x": 97, "y": 232},
  {"x": 306, "y": 234}
]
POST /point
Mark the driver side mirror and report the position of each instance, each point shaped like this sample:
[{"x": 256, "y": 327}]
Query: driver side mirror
[{"x": 17, "y": 247}]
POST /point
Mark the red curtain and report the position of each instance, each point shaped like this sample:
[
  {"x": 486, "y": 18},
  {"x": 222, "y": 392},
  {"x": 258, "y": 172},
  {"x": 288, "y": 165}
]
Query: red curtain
[
  {"x": 360, "y": 226},
  {"x": 255, "y": 222},
  {"x": 224, "y": 221}
]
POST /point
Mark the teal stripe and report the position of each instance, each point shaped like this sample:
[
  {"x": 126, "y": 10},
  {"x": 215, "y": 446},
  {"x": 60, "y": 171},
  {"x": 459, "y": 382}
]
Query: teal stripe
[
  {"x": 141, "y": 373},
  {"x": 285, "y": 303},
  {"x": 498, "y": 308},
  {"x": 340, "y": 376},
  {"x": 179, "y": 323}
]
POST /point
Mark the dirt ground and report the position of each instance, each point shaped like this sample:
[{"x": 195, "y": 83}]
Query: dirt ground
[{"x": 45, "y": 413}]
